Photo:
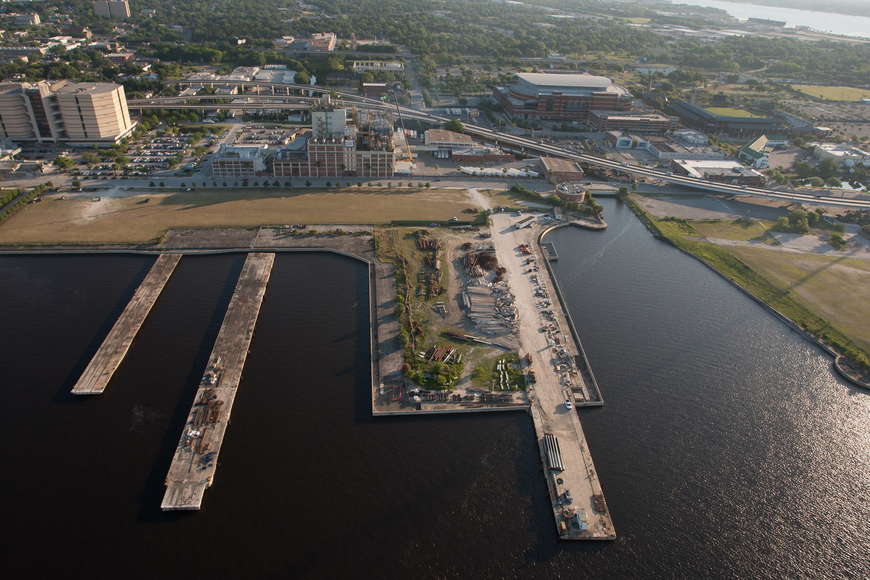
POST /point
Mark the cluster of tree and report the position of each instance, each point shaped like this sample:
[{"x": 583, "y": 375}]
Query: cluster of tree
[{"x": 799, "y": 221}]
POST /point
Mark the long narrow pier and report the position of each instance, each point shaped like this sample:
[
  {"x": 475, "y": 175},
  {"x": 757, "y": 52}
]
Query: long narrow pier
[
  {"x": 110, "y": 354},
  {"x": 193, "y": 466}
]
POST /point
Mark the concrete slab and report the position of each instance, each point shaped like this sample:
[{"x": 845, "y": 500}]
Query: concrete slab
[
  {"x": 193, "y": 466},
  {"x": 114, "y": 348}
]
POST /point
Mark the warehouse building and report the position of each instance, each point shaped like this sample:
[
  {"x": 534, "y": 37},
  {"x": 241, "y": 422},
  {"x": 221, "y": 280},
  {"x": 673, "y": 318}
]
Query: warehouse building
[
  {"x": 558, "y": 170},
  {"x": 643, "y": 123}
]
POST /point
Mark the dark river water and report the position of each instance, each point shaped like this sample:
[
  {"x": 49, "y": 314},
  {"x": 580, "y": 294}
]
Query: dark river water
[{"x": 726, "y": 448}]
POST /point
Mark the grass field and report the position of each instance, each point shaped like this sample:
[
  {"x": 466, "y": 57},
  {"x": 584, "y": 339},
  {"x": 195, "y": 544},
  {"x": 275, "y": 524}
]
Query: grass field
[
  {"x": 834, "y": 93},
  {"x": 836, "y": 288},
  {"x": 131, "y": 220},
  {"x": 732, "y": 230},
  {"x": 728, "y": 112}
]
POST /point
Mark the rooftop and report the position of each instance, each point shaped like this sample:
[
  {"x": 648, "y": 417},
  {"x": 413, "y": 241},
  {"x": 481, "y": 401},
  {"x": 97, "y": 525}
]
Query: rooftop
[
  {"x": 443, "y": 136},
  {"x": 555, "y": 164},
  {"x": 575, "y": 81}
]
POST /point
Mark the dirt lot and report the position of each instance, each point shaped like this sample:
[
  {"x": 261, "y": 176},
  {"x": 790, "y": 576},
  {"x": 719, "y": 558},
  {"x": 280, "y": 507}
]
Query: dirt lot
[
  {"x": 476, "y": 368},
  {"x": 133, "y": 220}
]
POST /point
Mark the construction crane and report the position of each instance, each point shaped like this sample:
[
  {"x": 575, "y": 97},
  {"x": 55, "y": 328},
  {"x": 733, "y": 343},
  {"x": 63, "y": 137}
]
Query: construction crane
[{"x": 402, "y": 122}]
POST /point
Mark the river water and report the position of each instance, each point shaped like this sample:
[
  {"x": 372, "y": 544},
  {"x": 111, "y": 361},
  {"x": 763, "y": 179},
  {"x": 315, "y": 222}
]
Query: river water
[
  {"x": 725, "y": 448},
  {"x": 843, "y": 24}
]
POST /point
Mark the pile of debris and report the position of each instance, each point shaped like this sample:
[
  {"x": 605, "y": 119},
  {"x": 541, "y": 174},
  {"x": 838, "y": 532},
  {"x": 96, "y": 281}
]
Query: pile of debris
[
  {"x": 491, "y": 307},
  {"x": 442, "y": 354}
]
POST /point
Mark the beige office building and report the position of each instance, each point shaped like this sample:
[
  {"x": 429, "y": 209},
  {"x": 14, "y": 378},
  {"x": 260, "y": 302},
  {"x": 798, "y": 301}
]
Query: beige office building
[
  {"x": 112, "y": 9},
  {"x": 75, "y": 113}
]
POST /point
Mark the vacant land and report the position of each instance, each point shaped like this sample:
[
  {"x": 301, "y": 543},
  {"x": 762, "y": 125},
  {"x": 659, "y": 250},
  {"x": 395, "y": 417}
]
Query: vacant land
[
  {"x": 836, "y": 288},
  {"x": 732, "y": 230},
  {"x": 133, "y": 220},
  {"x": 728, "y": 112},
  {"x": 834, "y": 93}
]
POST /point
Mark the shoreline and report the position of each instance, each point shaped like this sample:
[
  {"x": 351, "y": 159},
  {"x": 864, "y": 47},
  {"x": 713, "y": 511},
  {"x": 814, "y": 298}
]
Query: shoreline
[{"x": 647, "y": 220}]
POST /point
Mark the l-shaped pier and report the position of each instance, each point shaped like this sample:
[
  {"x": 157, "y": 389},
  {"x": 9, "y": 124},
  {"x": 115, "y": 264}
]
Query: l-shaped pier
[
  {"x": 193, "y": 466},
  {"x": 110, "y": 354}
]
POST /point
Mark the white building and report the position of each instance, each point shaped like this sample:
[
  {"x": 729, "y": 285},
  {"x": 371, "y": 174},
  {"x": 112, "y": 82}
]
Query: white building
[
  {"x": 847, "y": 155},
  {"x": 691, "y": 137},
  {"x": 377, "y": 65},
  {"x": 27, "y": 20},
  {"x": 241, "y": 162}
]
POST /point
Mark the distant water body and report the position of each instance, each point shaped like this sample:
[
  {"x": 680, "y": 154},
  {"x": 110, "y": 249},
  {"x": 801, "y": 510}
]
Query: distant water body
[{"x": 824, "y": 21}]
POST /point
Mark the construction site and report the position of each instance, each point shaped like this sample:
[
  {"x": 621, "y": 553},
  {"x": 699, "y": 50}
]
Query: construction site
[{"x": 458, "y": 321}]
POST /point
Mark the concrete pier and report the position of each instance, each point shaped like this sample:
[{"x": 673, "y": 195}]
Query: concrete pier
[
  {"x": 193, "y": 466},
  {"x": 576, "y": 498},
  {"x": 110, "y": 354}
]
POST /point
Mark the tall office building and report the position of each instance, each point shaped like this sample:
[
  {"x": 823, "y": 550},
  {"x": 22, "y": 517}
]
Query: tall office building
[
  {"x": 112, "y": 8},
  {"x": 64, "y": 111}
]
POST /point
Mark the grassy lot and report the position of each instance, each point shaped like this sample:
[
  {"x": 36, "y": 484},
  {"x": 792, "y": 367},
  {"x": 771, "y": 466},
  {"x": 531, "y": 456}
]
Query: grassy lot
[
  {"x": 729, "y": 112},
  {"x": 509, "y": 199},
  {"x": 131, "y": 220},
  {"x": 836, "y": 288},
  {"x": 733, "y": 230},
  {"x": 834, "y": 93}
]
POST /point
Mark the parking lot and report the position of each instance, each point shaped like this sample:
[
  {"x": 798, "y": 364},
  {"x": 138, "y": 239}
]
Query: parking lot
[{"x": 265, "y": 135}]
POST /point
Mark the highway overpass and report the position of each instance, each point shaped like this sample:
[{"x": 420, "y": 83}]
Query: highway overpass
[{"x": 523, "y": 144}]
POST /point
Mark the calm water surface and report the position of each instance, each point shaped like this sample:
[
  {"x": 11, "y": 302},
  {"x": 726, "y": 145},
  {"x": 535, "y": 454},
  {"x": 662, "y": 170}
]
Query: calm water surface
[
  {"x": 844, "y": 24},
  {"x": 726, "y": 448}
]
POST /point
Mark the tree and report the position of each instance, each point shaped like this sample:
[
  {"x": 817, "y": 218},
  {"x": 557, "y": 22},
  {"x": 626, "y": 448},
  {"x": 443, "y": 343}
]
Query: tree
[
  {"x": 151, "y": 184},
  {"x": 328, "y": 184},
  {"x": 64, "y": 162},
  {"x": 307, "y": 184},
  {"x": 622, "y": 191},
  {"x": 634, "y": 186},
  {"x": 827, "y": 167},
  {"x": 796, "y": 215},
  {"x": 76, "y": 183},
  {"x": 454, "y": 125},
  {"x": 834, "y": 182}
]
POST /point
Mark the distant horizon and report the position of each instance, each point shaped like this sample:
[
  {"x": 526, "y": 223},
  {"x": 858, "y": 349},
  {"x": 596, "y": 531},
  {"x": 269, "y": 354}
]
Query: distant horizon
[
  {"x": 835, "y": 7},
  {"x": 854, "y": 25}
]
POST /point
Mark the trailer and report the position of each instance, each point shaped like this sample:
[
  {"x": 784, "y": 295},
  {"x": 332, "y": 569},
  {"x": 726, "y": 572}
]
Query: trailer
[{"x": 525, "y": 222}]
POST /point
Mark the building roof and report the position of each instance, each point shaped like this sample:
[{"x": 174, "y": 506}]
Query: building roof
[
  {"x": 555, "y": 164},
  {"x": 571, "y": 81},
  {"x": 86, "y": 88},
  {"x": 443, "y": 136},
  {"x": 716, "y": 167}
]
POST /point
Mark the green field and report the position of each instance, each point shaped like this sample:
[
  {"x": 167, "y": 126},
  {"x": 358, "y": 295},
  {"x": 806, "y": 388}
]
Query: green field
[
  {"x": 834, "y": 93},
  {"x": 836, "y": 288},
  {"x": 132, "y": 220},
  {"x": 729, "y": 112}
]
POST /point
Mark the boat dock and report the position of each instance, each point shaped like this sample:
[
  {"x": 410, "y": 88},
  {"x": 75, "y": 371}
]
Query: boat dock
[
  {"x": 193, "y": 466},
  {"x": 110, "y": 354}
]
